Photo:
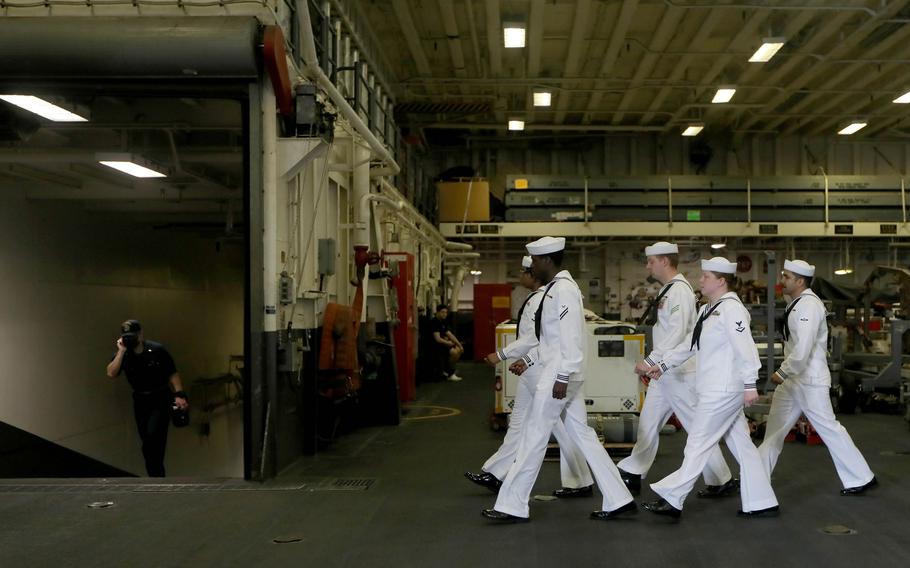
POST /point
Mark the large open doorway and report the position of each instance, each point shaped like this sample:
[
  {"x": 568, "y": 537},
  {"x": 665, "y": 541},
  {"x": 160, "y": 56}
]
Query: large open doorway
[{"x": 86, "y": 246}]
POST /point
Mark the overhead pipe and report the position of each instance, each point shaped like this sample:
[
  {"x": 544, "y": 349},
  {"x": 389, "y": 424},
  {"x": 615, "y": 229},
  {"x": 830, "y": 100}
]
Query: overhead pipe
[
  {"x": 763, "y": 6},
  {"x": 458, "y": 246},
  {"x": 313, "y": 71}
]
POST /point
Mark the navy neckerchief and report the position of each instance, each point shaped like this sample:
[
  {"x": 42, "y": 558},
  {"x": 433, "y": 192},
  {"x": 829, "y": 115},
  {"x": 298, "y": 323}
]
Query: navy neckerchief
[
  {"x": 785, "y": 327},
  {"x": 650, "y": 315},
  {"x": 539, "y": 314},
  {"x": 696, "y": 333},
  {"x": 521, "y": 310}
]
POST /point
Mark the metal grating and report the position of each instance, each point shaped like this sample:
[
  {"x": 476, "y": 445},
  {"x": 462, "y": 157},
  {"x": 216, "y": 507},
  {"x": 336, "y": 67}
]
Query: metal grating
[
  {"x": 347, "y": 484},
  {"x": 145, "y": 487}
]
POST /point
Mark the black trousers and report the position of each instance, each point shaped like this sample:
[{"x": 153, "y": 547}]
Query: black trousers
[{"x": 153, "y": 415}]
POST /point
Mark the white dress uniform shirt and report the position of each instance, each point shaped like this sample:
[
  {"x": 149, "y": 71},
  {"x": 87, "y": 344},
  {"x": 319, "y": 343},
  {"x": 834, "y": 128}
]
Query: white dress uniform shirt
[
  {"x": 572, "y": 465},
  {"x": 561, "y": 353},
  {"x": 727, "y": 359},
  {"x": 675, "y": 320},
  {"x": 674, "y": 392},
  {"x": 727, "y": 363},
  {"x": 805, "y": 390},
  {"x": 806, "y": 350}
]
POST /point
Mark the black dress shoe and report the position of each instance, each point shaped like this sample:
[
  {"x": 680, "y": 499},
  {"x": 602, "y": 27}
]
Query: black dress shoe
[
  {"x": 626, "y": 510},
  {"x": 661, "y": 507},
  {"x": 716, "y": 491},
  {"x": 632, "y": 481},
  {"x": 484, "y": 479},
  {"x": 567, "y": 492},
  {"x": 495, "y": 515},
  {"x": 769, "y": 512},
  {"x": 859, "y": 490}
]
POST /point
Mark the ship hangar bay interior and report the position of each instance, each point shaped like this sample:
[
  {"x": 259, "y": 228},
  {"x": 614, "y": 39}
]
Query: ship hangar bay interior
[{"x": 237, "y": 234}]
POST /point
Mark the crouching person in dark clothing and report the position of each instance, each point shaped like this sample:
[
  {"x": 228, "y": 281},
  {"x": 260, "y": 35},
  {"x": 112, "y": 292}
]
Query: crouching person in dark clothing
[
  {"x": 448, "y": 348},
  {"x": 157, "y": 390}
]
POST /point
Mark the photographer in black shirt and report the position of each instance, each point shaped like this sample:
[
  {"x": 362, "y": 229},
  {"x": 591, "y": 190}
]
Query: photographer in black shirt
[{"x": 157, "y": 390}]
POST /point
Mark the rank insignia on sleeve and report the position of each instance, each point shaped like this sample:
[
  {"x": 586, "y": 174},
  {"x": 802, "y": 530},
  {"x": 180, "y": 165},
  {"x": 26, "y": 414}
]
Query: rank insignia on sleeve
[{"x": 739, "y": 327}]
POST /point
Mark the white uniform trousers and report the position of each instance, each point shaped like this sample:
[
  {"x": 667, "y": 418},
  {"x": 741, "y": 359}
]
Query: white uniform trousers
[
  {"x": 572, "y": 465},
  {"x": 719, "y": 415},
  {"x": 671, "y": 394},
  {"x": 792, "y": 399},
  {"x": 544, "y": 414}
]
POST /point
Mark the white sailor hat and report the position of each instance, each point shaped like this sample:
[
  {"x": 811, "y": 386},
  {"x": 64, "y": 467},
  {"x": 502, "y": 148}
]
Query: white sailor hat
[
  {"x": 719, "y": 264},
  {"x": 546, "y": 245},
  {"x": 661, "y": 248},
  {"x": 526, "y": 262},
  {"x": 800, "y": 267}
]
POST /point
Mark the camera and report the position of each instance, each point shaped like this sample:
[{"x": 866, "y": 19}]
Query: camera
[{"x": 130, "y": 340}]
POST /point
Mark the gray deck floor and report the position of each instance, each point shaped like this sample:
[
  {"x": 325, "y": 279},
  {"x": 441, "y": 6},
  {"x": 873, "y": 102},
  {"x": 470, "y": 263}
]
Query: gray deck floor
[{"x": 421, "y": 512}]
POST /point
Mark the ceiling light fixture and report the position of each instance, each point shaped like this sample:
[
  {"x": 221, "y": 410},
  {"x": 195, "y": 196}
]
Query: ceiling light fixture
[
  {"x": 693, "y": 129},
  {"x": 903, "y": 99},
  {"x": 516, "y": 125},
  {"x": 723, "y": 94},
  {"x": 853, "y": 127},
  {"x": 513, "y": 34},
  {"x": 43, "y": 108},
  {"x": 718, "y": 246},
  {"x": 542, "y": 98},
  {"x": 132, "y": 165},
  {"x": 769, "y": 47}
]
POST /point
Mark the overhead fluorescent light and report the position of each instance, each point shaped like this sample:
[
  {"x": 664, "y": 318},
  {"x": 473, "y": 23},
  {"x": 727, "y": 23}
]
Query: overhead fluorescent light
[
  {"x": 476, "y": 272},
  {"x": 723, "y": 94},
  {"x": 843, "y": 271},
  {"x": 513, "y": 35},
  {"x": 903, "y": 99},
  {"x": 516, "y": 125},
  {"x": 693, "y": 129},
  {"x": 43, "y": 108},
  {"x": 542, "y": 98},
  {"x": 769, "y": 46},
  {"x": 853, "y": 127},
  {"x": 132, "y": 165},
  {"x": 718, "y": 246}
]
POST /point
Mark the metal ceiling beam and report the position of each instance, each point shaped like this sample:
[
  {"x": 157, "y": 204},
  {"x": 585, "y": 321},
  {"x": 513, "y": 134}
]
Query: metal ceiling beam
[
  {"x": 745, "y": 33},
  {"x": 862, "y": 106},
  {"x": 626, "y": 11},
  {"x": 669, "y": 23},
  {"x": 842, "y": 48},
  {"x": 147, "y": 192},
  {"x": 856, "y": 75},
  {"x": 42, "y": 176},
  {"x": 535, "y": 45},
  {"x": 403, "y": 13},
  {"x": 661, "y": 230},
  {"x": 475, "y": 43},
  {"x": 447, "y": 9},
  {"x": 704, "y": 32},
  {"x": 580, "y": 26},
  {"x": 757, "y": 72},
  {"x": 494, "y": 36},
  {"x": 554, "y": 127}
]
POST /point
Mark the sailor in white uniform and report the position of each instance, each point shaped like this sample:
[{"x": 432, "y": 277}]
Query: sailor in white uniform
[
  {"x": 726, "y": 366},
  {"x": 804, "y": 382},
  {"x": 673, "y": 316},
  {"x": 559, "y": 325},
  {"x": 576, "y": 478}
]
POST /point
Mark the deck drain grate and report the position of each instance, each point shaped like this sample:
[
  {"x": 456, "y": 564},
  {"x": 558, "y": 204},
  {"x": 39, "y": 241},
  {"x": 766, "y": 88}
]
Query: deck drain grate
[
  {"x": 347, "y": 484},
  {"x": 837, "y": 530},
  {"x": 147, "y": 487}
]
